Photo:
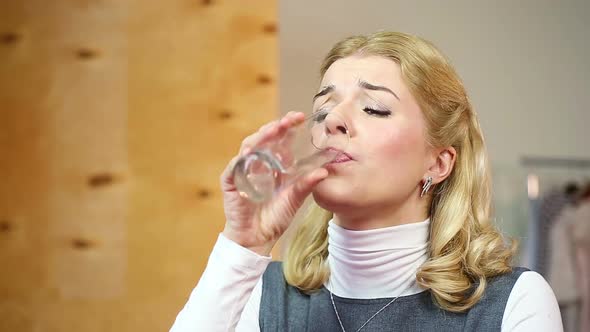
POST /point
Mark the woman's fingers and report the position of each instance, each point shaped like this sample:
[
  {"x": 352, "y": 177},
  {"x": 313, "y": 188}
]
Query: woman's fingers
[
  {"x": 304, "y": 186},
  {"x": 278, "y": 131},
  {"x": 271, "y": 131},
  {"x": 253, "y": 140},
  {"x": 227, "y": 176}
]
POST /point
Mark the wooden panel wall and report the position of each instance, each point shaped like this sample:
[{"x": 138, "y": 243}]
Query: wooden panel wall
[{"x": 116, "y": 119}]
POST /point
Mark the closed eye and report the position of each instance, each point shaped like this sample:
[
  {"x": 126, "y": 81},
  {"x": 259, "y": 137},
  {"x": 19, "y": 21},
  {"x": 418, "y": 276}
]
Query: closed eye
[
  {"x": 320, "y": 115},
  {"x": 376, "y": 112}
]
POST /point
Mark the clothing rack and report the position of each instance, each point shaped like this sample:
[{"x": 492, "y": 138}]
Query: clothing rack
[{"x": 538, "y": 161}]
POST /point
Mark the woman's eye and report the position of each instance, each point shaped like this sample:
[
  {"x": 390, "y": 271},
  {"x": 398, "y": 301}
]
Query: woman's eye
[
  {"x": 372, "y": 111},
  {"x": 320, "y": 115}
]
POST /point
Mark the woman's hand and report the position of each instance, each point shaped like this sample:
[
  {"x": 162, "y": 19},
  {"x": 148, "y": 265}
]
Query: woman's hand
[{"x": 258, "y": 226}]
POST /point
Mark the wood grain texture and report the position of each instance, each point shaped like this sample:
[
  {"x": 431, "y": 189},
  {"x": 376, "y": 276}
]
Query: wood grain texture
[{"x": 116, "y": 120}]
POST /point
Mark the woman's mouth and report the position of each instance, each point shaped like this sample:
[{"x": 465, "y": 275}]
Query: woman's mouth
[{"x": 341, "y": 157}]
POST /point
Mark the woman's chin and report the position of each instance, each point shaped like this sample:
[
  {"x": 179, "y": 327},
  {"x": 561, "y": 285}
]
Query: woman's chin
[{"x": 331, "y": 194}]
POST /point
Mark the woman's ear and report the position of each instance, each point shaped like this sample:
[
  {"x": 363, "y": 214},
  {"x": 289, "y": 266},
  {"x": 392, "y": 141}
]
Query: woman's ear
[{"x": 443, "y": 164}]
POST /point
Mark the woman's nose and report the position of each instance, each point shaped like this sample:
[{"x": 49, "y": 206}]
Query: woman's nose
[{"x": 336, "y": 124}]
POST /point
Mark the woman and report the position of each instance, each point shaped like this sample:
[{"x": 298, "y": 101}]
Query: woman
[{"x": 399, "y": 236}]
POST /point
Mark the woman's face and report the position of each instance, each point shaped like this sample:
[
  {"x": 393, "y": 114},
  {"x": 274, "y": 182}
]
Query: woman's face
[{"x": 387, "y": 137}]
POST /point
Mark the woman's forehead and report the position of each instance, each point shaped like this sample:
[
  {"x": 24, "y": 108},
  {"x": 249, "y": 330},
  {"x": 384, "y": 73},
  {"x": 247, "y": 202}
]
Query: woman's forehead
[{"x": 373, "y": 69}]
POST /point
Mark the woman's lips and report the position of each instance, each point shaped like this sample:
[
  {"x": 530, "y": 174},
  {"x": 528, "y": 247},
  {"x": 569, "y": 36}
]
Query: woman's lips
[{"x": 342, "y": 157}]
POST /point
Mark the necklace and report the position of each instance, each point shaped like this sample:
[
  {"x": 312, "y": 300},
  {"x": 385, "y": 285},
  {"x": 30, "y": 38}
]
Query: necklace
[{"x": 370, "y": 318}]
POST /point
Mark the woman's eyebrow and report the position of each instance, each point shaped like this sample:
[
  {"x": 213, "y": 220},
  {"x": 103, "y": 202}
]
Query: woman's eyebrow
[
  {"x": 365, "y": 85},
  {"x": 325, "y": 90},
  {"x": 369, "y": 86}
]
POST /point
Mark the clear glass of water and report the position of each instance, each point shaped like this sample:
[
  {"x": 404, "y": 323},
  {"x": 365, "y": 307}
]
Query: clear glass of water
[{"x": 269, "y": 168}]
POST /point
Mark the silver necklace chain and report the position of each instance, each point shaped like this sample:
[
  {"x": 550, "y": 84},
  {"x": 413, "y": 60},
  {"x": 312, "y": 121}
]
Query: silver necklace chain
[{"x": 368, "y": 320}]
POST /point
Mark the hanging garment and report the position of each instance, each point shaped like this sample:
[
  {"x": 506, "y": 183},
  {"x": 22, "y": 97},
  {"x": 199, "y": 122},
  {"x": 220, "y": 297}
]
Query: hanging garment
[
  {"x": 561, "y": 268},
  {"x": 581, "y": 237},
  {"x": 550, "y": 208},
  {"x": 561, "y": 264}
]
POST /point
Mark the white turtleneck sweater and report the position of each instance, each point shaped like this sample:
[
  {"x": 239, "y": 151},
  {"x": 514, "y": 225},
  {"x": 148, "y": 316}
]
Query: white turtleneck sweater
[{"x": 367, "y": 264}]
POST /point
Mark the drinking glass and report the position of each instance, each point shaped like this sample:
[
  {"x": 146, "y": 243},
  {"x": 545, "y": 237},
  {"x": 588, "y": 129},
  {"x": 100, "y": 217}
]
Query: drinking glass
[{"x": 273, "y": 166}]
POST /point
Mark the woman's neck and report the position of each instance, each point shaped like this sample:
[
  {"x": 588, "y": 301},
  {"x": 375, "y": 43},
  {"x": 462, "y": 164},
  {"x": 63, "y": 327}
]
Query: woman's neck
[{"x": 375, "y": 219}]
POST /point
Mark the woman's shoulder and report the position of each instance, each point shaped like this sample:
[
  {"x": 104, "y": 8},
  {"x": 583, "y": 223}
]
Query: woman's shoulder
[
  {"x": 532, "y": 304},
  {"x": 532, "y": 286},
  {"x": 273, "y": 275},
  {"x": 519, "y": 279},
  {"x": 518, "y": 287},
  {"x": 504, "y": 281},
  {"x": 274, "y": 267}
]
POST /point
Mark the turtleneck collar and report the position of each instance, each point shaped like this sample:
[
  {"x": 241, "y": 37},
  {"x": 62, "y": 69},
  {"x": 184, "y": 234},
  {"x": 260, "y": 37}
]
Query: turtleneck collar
[{"x": 376, "y": 263}]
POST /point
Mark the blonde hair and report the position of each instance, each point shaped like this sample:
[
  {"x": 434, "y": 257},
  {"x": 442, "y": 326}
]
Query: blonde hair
[{"x": 465, "y": 248}]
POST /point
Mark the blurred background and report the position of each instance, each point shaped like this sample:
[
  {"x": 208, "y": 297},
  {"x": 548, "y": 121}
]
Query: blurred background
[{"x": 117, "y": 118}]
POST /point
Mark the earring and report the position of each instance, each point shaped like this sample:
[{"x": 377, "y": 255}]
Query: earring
[{"x": 426, "y": 186}]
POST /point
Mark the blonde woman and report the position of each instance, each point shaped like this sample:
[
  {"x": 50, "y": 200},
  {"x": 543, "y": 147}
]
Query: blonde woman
[{"x": 399, "y": 237}]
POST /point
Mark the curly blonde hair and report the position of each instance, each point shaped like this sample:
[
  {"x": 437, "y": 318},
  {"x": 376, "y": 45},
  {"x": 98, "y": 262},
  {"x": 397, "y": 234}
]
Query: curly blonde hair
[{"x": 465, "y": 247}]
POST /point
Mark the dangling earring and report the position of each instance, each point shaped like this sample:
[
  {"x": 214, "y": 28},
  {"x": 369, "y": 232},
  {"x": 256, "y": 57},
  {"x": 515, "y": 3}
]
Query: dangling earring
[{"x": 426, "y": 186}]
